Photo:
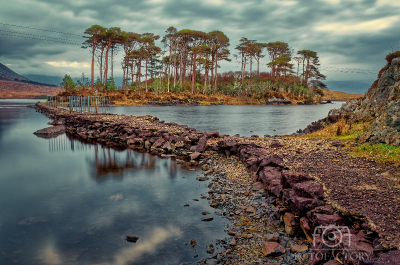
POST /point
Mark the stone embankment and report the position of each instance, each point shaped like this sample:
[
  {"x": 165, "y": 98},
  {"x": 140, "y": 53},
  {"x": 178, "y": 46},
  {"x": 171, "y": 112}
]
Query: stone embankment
[{"x": 259, "y": 184}]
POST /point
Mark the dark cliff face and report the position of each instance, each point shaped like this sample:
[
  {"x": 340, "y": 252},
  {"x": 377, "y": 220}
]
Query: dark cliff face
[{"x": 382, "y": 105}]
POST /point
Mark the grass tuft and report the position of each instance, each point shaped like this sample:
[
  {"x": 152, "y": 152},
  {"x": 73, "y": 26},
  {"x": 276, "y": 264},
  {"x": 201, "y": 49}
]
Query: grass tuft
[{"x": 379, "y": 152}]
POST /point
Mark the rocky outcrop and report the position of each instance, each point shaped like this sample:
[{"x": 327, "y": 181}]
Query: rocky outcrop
[
  {"x": 278, "y": 101},
  {"x": 380, "y": 106}
]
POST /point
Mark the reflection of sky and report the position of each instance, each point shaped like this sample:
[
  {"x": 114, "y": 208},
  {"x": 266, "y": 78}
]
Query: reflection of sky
[
  {"x": 243, "y": 120},
  {"x": 55, "y": 210}
]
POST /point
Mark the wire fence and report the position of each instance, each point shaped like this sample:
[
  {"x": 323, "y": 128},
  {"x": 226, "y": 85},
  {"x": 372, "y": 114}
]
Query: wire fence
[{"x": 91, "y": 104}]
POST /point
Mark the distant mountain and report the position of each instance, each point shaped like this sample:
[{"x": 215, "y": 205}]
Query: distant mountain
[
  {"x": 57, "y": 80},
  {"x": 8, "y": 74},
  {"x": 52, "y": 80},
  {"x": 352, "y": 87}
]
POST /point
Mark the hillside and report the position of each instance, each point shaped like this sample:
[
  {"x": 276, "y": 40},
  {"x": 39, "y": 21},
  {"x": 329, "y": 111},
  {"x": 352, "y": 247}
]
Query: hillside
[
  {"x": 339, "y": 95},
  {"x": 8, "y": 74},
  {"x": 15, "y": 89},
  {"x": 352, "y": 87}
]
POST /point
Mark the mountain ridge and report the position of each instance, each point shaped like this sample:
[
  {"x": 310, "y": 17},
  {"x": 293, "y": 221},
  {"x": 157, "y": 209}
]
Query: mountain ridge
[{"x": 8, "y": 74}]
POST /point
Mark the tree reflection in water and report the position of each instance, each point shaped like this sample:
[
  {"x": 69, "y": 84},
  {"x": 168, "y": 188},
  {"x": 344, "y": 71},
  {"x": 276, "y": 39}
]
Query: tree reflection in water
[{"x": 113, "y": 162}]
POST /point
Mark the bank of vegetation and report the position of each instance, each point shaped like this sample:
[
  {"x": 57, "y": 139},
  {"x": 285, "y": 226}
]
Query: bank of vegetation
[{"x": 187, "y": 64}]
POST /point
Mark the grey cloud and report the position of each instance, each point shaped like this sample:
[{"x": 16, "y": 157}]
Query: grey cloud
[{"x": 260, "y": 20}]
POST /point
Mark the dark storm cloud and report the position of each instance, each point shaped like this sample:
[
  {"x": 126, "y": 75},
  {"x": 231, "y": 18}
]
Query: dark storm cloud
[{"x": 333, "y": 28}]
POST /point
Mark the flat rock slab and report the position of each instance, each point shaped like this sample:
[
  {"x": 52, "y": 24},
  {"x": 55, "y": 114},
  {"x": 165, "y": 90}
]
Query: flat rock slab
[{"x": 51, "y": 130}]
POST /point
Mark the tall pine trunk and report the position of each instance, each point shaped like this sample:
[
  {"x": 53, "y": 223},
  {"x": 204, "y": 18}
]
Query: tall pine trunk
[
  {"x": 101, "y": 65},
  {"x": 92, "y": 69},
  {"x": 193, "y": 71},
  {"x": 244, "y": 69},
  {"x": 106, "y": 67},
  {"x": 216, "y": 74},
  {"x": 140, "y": 71},
  {"x": 176, "y": 73},
  {"x": 147, "y": 60}
]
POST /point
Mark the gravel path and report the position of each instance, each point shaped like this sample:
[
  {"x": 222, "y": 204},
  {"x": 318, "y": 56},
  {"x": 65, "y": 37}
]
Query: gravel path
[{"x": 358, "y": 187}]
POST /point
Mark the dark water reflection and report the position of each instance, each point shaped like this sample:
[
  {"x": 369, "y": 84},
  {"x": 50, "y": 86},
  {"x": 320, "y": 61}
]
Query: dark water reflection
[
  {"x": 66, "y": 202},
  {"x": 243, "y": 120}
]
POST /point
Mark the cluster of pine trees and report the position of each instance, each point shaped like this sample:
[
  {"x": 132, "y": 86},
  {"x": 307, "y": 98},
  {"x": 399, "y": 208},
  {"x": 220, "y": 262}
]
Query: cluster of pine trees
[{"x": 192, "y": 56}]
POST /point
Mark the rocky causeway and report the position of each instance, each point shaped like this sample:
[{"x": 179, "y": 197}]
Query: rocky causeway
[{"x": 290, "y": 200}]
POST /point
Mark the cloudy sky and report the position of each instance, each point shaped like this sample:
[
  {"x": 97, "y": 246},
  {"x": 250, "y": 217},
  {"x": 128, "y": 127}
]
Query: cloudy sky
[{"x": 351, "y": 37}]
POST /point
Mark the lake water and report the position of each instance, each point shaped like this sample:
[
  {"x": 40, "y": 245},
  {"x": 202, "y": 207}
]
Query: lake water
[
  {"x": 243, "y": 120},
  {"x": 66, "y": 202}
]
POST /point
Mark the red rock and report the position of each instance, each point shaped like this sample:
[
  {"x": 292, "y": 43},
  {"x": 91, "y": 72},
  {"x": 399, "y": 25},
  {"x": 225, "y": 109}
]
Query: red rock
[
  {"x": 327, "y": 209},
  {"x": 158, "y": 143},
  {"x": 226, "y": 144},
  {"x": 305, "y": 226},
  {"x": 212, "y": 134},
  {"x": 253, "y": 160},
  {"x": 258, "y": 186},
  {"x": 201, "y": 146},
  {"x": 290, "y": 177},
  {"x": 325, "y": 219},
  {"x": 272, "y": 249},
  {"x": 356, "y": 246},
  {"x": 153, "y": 139},
  {"x": 319, "y": 252},
  {"x": 299, "y": 205},
  {"x": 276, "y": 144},
  {"x": 272, "y": 161},
  {"x": 251, "y": 209},
  {"x": 195, "y": 155},
  {"x": 309, "y": 189},
  {"x": 267, "y": 174},
  {"x": 167, "y": 146},
  {"x": 272, "y": 237},
  {"x": 290, "y": 224},
  {"x": 276, "y": 188},
  {"x": 193, "y": 243},
  {"x": 299, "y": 248},
  {"x": 138, "y": 141}
]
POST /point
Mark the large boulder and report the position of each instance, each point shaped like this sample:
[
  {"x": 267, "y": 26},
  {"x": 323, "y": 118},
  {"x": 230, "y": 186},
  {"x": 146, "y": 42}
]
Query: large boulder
[
  {"x": 201, "y": 146},
  {"x": 309, "y": 189},
  {"x": 290, "y": 177}
]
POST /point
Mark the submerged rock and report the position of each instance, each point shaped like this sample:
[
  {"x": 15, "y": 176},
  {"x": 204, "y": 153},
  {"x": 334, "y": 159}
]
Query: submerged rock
[
  {"x": 51, "y": 130},
  {"x": 132, "y": 239}
]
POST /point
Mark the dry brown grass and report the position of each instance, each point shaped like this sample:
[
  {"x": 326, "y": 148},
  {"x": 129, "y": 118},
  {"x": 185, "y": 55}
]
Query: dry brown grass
[
  {"x": 140, "y": 98},
  {"x": 338, "y": 95},
  {"x": 343, "y": 129},
  {"x": 14, "y": 89}
]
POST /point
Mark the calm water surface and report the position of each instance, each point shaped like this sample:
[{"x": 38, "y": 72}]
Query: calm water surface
[
  {"x": 243, "y": 120},
  {"x": 65, "y": 202}
]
